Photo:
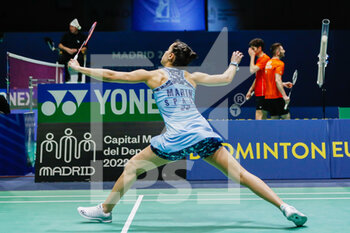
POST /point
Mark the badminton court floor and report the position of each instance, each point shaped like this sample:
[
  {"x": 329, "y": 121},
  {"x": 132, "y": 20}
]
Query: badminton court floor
[{"x": 176, "y": 210}]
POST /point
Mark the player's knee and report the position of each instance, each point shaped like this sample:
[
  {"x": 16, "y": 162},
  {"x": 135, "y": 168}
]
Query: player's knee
[
  {"x": 243, "y": 177},
  {"x": 134, "y": 168},
  {"x": 130, "y": 168}
]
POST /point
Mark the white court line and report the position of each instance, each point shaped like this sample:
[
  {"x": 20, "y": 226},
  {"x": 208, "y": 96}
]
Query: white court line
[
  {"x": 180, "y": 194},
  {"x": 178, "y": 200},
  {"x": 132, "y": 214}
]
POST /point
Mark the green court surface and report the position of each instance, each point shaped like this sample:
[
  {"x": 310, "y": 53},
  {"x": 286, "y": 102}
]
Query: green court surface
[{"x": 176, "y": 210}]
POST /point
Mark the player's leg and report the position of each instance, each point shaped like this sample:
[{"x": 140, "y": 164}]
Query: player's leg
[
  {"x": 259, "y": 101},
  {"x": 286, "y": 116},
  {"x": 284, "y": 113},
  {"x": 140, "y": 163},
  {"x": 264, "y": 114},
  {"x": 225, "y": 162},
  {"x": 258, "y": 115},
  {"x": 276, "y": 108},
  {"x": 266, "y": 108}
]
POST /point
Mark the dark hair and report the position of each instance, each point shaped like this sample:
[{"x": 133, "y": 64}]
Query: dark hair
[
  {"x": 257, "y": 42},
  {"x": 274, "y": 48},
  {"x": 183, "y": 54}
]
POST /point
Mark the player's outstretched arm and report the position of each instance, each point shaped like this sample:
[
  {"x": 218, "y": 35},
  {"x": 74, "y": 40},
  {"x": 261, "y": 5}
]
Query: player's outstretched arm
[
  {"x": 219, "y": 79},
  {"x": 107, "y": 75}
]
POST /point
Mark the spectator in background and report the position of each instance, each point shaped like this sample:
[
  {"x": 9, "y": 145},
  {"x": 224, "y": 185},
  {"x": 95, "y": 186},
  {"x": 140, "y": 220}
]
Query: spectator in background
[
  {"x": 256, "y": 47},
  {"x": 275, "y": 96},
  {"x": 69, "y": 46}
]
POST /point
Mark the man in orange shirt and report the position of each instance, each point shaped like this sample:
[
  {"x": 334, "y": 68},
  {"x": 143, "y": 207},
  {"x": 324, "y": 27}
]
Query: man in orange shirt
[
  {"x": 275, "y": 96},
  {"x": 256, "y": 47}
]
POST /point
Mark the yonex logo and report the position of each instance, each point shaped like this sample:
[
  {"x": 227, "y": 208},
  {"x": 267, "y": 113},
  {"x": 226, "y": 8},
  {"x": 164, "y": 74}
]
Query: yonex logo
[{"x": 69, "y": 107}]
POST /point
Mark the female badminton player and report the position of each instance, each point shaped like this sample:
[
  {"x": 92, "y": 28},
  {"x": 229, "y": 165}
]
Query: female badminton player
[{"x": 187, "y": 131}]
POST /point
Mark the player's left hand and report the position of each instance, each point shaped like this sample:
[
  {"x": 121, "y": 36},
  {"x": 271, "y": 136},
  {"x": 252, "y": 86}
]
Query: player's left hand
[{"x": 288, "y": 85}]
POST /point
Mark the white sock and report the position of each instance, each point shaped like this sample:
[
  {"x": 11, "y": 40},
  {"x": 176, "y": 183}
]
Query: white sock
[{"x": 283, "y": 206}]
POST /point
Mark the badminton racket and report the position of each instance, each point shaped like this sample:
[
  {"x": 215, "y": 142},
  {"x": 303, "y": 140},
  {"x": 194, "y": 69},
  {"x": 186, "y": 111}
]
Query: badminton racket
[
  {"x": 294, "y": 80},
  {"x": 87, "y": 39}
]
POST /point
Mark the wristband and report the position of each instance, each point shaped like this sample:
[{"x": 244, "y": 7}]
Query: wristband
[{"x": 235, "y": 64}]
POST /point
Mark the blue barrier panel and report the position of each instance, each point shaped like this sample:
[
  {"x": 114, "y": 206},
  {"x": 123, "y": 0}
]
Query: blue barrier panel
[
  {"x": 14, "y": 144},
  {"x": 273, "y": 149},
  {"x": 339, "y": 138}
]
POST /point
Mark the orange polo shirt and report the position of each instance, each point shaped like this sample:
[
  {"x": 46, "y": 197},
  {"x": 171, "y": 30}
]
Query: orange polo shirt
[
  {"x": 273, "y": 66},
  {"x": 259, "y": 75}
]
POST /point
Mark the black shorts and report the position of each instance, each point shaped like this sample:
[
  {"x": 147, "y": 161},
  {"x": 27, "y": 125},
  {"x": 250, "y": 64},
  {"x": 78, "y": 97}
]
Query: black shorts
[
  {"x": 259, "y": 102},
  {"x": 275, "y": 107}
]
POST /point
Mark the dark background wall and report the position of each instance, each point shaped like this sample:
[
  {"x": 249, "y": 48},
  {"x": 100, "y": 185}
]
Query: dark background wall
[
  {"x": 295, "y": 23},
  {"x": 116, "y": 15}
]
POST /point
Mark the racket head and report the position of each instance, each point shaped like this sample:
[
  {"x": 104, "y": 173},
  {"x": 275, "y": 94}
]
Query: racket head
[
  {"x": 294, "y": 80},
  {"x": 90, "y": 32},
  {"x": 87, "y": 39},
  {"x": 295, "y": 77}
]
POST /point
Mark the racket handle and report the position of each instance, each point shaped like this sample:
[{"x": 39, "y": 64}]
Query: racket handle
[
  {"x": 285, "y": 106},
  {"x": 251, "y": 95},
  {"x": 76, "y": 56}
]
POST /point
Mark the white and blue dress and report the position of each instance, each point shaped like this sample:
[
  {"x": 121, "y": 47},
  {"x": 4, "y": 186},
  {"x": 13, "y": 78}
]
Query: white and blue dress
[{"x": 187, "y": 131}]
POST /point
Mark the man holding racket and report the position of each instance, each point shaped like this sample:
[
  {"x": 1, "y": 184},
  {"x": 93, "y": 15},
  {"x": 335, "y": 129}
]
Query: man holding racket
[
  {"x": 275, "y": 95},
  {"x": 256, "y": 47},
  {"x": 187, "y": 131},
  {"x": 69, "y": 46}
]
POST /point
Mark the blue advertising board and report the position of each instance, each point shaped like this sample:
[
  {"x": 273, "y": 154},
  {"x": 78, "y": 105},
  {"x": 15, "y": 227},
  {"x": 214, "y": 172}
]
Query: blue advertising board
[
  {"x": 272, "y": 149},
  {"x": 169, "y": 15},
  {"x": 339, "y": 135}
]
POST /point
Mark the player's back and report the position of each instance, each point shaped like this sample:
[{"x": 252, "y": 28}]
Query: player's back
[{"x": 184, "y": 123}]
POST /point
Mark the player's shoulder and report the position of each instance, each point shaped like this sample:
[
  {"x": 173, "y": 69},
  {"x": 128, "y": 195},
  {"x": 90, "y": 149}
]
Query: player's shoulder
[
  {"x": 263, "y": 59},
  {"x": 151, "y": 73},
  {"x": 157, "y": 73},
  {"x": 266, "y": 57},
  {"x": 276, "y": 61},
  {"x": 280, "y": 62}
]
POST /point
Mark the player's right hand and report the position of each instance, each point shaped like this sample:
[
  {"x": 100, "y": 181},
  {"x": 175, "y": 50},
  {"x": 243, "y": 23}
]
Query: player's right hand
[
  {"x": 248, "y": 95},
  {"x": 74, "y": 64}
]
